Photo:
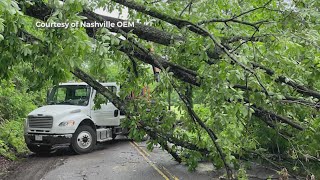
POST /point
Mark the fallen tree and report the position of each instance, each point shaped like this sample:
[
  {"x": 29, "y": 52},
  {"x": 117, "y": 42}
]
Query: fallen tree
[
  {"x": 41, "y": 11},
  {"x": 223, "y": 123}
]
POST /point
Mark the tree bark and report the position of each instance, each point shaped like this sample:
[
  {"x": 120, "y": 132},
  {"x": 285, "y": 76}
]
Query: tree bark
[
  {"x": 269, "y": 116},
  {"x": 155, "y": 60},
  {"x": 145, "y": 32},
  {"x": 41, "y": 11}
]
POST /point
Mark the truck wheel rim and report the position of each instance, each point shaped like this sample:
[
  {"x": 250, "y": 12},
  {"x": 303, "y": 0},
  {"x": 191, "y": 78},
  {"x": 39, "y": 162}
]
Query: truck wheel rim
[{"x": 84, "y": 139}]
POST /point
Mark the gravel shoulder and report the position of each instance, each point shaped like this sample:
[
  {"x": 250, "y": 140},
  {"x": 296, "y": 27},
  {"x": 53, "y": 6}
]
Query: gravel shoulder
[
  {"x": 5, "y": 165},
  {"x": 34, "y": 167}
]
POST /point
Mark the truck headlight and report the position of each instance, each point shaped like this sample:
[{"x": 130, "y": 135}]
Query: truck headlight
[{"x": 67, "y": 123}]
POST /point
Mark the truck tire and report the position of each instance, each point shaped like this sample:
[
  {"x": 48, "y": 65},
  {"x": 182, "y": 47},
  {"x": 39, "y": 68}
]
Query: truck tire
[
  {"x": 83, "y": 140},
  {"x": 39, "y": 149}
]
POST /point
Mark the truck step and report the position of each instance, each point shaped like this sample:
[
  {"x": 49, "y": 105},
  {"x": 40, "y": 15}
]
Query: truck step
[{"x": 103, "y": 140}]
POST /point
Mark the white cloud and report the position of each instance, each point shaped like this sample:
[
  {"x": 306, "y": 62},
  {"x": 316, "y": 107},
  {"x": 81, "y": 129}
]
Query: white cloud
[{"x": 115, "y": 13}]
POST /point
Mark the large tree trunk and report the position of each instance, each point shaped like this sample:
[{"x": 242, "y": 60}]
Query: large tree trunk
[{"x": 40, "y": 11}]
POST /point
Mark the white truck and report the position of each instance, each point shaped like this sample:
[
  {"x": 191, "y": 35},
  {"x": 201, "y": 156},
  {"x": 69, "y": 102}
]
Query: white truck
[{"x": 70, "y": 119}]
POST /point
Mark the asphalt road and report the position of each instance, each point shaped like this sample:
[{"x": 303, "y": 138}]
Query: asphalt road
[{"x": 121, "y": 159}]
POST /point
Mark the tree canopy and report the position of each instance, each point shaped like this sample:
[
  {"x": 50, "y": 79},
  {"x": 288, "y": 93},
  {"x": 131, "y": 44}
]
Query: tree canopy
[{"x": 244, "y": 75}]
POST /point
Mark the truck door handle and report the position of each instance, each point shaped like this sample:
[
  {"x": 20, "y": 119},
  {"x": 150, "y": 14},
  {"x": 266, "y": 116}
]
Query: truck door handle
[{"x": 116, "y": 113}]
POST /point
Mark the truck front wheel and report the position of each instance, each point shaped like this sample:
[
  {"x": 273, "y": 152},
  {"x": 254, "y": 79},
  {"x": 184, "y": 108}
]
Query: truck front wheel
[{"x": 83, "y": 140}]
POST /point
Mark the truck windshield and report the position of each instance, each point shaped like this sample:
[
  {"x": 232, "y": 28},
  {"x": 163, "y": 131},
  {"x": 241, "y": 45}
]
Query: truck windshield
[{"x": 70, "y": 95}]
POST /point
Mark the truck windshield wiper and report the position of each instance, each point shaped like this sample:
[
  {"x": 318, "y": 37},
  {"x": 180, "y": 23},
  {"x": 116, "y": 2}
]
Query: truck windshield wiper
[
  {"x": 51, "y": 102},
  {"x": 69, "y": 101}
]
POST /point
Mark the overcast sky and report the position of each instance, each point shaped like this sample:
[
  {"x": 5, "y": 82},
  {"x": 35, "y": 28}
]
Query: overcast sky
[
  {"x": 114, "y": 13},
  {"x": 124, "y": 15}
]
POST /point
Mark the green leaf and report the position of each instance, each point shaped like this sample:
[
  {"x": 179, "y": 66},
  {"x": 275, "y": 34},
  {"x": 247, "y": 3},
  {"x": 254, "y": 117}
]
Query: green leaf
[{"x": 1, "y": 25}]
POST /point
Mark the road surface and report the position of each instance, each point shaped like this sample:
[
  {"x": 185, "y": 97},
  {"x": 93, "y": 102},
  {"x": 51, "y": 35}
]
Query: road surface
[{"x": 121, "y": 159}]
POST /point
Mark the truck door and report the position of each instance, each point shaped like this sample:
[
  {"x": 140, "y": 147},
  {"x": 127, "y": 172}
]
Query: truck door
[{"x": 108, "y": 114}]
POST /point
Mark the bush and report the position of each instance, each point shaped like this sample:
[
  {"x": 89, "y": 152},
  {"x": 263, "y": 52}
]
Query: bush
[
  {"x": 15, "y": 104},
  {"x": 11, "y": 139}
]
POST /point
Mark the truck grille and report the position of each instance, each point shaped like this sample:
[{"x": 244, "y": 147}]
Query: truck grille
[{"x": 40, "y": 121}]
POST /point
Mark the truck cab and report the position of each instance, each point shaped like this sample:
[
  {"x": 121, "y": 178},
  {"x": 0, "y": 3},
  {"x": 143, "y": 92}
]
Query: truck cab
[{"x": 71, "y": 119}]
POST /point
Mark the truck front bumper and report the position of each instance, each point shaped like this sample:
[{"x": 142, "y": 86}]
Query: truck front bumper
[{"x": 54, "y": 140}]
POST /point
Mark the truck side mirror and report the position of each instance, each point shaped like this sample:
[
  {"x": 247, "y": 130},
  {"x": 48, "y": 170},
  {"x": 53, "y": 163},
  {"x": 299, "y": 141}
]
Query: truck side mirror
[{"x": 116, "y": 113}]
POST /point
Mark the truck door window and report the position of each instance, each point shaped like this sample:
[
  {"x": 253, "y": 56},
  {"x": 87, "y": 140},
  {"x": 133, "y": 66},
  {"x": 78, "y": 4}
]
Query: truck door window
[{"x": 100, "y": 96}]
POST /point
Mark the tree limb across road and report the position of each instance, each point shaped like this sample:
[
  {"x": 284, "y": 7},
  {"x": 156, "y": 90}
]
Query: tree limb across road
[
  {"x": 220, "y": 83},
  {"x": 163, "y": 138}
]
